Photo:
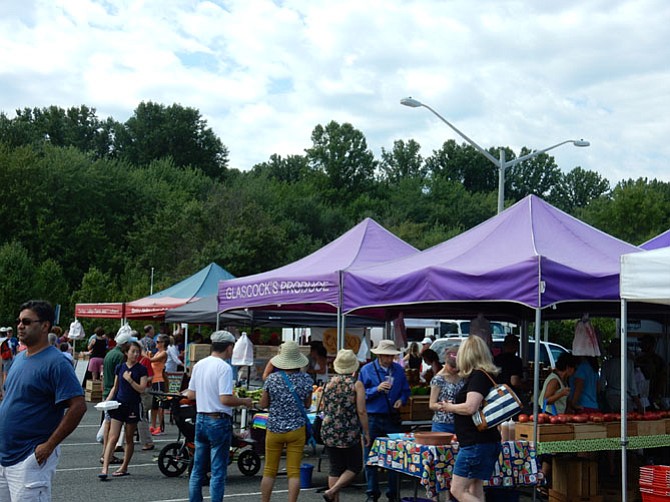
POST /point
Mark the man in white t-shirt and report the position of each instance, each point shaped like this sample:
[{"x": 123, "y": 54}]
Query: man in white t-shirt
[{"x": 211, "y": 386}]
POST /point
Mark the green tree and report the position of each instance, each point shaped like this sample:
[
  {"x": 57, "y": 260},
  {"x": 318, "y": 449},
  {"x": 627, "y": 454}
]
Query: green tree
[
  {"x": 341, "y": 152},
  {"x": 156, "y": 131},
  {"x": 577, "y": 189},
  {"x": 636, "y": 211},
  {"x": 291, "y": 169},
  {"x": 403, "y": 161},
  {"x": 16, "y": 286},
  {"x": 465, "y": 165},
  {"x": 537, "y": 176}
]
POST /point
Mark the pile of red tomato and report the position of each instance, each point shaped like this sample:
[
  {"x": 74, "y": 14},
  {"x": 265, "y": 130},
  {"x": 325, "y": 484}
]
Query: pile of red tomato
[{"x": 582, "y": 418}]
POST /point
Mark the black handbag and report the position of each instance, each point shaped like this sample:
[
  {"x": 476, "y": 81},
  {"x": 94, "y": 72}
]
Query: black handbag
[{"x": 318, "y": 421}]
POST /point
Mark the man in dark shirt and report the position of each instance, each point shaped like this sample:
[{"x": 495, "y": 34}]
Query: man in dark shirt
[{"x": 510, "y": 364}]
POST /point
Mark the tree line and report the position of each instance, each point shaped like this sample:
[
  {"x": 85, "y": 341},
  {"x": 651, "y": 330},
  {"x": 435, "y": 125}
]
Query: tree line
[{"x": 90, "y": 206}]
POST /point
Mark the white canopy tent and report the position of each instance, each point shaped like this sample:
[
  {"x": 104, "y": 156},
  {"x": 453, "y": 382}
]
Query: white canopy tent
[{"x": 645, "y": 277}]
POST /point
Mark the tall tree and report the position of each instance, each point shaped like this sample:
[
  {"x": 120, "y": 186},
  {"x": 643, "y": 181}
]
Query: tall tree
[
  {"x": 341, "y": 152},
  {"x": 463, "y": 164},
  {"x": 291, "y": 169},
  {"x": 577, "y": 189},
  {"x": 403, "y": 161},
  {"x": 157, "y": 131},
  {"x": 537, "y": 176}
]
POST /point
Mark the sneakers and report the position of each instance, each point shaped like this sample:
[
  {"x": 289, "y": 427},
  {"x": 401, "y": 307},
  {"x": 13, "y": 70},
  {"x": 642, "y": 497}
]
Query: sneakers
[{"x": 156, "y": 431}]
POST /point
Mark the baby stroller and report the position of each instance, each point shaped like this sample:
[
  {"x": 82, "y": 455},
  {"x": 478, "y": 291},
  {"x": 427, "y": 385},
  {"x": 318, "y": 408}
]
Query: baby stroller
[{"x": 175, "y": 458}]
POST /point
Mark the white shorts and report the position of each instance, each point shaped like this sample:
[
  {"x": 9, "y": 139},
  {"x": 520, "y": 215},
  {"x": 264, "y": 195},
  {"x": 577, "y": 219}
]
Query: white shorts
[{"x": 28, "y": 481}]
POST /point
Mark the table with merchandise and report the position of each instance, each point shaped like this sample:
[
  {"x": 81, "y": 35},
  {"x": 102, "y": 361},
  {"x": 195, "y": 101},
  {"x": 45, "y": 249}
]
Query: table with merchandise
[{"x": 433, "y": 465}]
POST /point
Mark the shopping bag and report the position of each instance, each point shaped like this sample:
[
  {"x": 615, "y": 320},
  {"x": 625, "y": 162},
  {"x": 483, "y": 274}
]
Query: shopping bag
[{"x": 243, "y": 352}]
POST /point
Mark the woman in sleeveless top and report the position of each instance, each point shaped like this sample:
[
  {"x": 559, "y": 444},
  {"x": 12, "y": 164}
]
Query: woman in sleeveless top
[{"x": 343, "y": 406}]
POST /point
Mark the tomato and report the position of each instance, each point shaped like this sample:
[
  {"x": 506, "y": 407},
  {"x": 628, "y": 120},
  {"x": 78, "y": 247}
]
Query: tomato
[
  {"x": 554, "y": 420},
  {"x": 562, "y": 418},
  {"x": 545, "y": 416},
  {"x": 523, "y": 418},
  {"x": 597, "y": 418},
  {"x": 580, "y": 419}
]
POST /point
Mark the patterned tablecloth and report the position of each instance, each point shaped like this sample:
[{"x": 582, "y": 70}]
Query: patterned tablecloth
[{"x": 433, "y": 465}]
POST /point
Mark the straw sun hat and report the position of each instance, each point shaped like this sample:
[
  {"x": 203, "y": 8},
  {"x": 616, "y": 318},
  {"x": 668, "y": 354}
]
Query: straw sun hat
[
  {"x": 386, "y": 348},
  {"x": 346, "y": 362},
  {"x": 289, "y": 357}
]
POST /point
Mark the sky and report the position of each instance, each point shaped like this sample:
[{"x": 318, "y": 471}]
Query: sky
[{"x": 265, "y": 73}]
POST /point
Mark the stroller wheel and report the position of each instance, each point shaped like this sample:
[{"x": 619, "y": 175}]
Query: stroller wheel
[
  {"x": 249, "y": 462},
  {"x": 174, "y": 459}
]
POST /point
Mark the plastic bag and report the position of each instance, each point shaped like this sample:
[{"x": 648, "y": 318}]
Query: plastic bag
[
  {"x": 585, "y": 342},
  {"x": 243, "y": 352},
  {"x": 76, "y": 331}
]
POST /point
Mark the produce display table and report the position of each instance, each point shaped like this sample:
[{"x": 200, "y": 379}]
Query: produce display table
[
  {"x": 585, "y": 445},
  {"x": 433, "y": 465}
]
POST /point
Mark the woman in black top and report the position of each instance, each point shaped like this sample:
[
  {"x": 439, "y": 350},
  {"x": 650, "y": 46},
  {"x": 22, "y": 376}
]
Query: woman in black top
[
  {"x": 478, "y": 450},
  {"x": 98, "y": 348}
]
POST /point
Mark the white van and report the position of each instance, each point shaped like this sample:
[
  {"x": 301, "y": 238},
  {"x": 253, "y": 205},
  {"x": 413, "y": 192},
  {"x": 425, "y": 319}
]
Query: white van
[
  {"x": 461, "y": 327},
  {"x": 549, "y": 352}
]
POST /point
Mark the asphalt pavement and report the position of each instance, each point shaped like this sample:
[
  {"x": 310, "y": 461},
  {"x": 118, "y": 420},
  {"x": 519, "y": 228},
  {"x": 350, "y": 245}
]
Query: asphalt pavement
[{"x": 76, "y": 477}]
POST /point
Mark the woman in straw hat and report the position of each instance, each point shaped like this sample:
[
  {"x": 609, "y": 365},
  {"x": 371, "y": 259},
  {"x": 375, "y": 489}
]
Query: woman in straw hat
[
  {"x": 343, "y": 404},
  {"x": 386, "y": 390},
  {"x": 285, "y": 392}
]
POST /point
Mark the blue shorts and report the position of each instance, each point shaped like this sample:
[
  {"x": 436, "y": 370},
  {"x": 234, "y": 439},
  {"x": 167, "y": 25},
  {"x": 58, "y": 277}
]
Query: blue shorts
[{"x": 477, "y": 461}]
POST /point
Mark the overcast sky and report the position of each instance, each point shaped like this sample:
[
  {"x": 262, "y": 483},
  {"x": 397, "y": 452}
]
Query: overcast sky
[{"x": 264, "y": 74}]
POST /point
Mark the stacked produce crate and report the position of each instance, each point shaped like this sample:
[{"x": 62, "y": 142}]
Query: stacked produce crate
[
  {"x": 93, "y": 391},
  {"x": 574, "y": 480}
]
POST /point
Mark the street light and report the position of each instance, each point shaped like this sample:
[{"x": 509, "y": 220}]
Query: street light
[{"x": 500, "y": 162}]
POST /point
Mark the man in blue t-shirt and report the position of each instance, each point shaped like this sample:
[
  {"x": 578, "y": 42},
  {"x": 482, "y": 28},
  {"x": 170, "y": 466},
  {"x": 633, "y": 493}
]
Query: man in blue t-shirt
[{"x": 43, "y": 404}]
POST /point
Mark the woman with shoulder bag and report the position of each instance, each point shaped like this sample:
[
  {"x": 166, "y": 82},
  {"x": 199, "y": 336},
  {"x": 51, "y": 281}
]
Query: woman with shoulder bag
[
  {"x": 286, "y": 393},
  {"x": 478, "y": 451},
  {"x": 343, "y": 404}
]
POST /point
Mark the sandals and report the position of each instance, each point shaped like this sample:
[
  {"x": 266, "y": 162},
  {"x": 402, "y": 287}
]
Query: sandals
[
  {"x": 148, "y": 447},
  {"x": 120, "y": 474}
]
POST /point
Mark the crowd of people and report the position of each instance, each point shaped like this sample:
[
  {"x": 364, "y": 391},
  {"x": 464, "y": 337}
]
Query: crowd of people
[{"x": 358, "y": 403}]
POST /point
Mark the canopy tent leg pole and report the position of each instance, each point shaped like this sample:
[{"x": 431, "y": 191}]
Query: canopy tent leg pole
[
  {"x": 624, "y": 386},
  {"x": 536, "y": 378},
  {"x": 187, "y": 359},
  {"x": 340, "y": 317}
]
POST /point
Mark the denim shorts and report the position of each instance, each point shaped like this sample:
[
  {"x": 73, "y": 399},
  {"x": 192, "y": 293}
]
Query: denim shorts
[{"x": 477, "y": 461}]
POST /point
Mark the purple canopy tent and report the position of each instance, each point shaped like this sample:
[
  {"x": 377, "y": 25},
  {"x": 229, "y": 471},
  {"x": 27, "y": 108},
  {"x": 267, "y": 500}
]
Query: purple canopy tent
[
  {"x": 313, "y": 283},
  {"x": 660, "y": 241},
  {"x": 531, "y": 255}
]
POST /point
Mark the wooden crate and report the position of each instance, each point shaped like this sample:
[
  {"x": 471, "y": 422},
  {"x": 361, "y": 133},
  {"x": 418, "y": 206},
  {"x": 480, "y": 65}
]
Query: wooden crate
[
  {"x": 667, "y": 425},
  {"x": 94, "y": 385},
  {"x": 93, "y": 396},
  {"x": 265, "y": 351},
  {"x": 416, "y": 409},
  {"x": 590, "y": 431},
  {"x": 575, "y": 478},
  {"x": 614, "y": 429},
  {"x": 545, "y": 432},
  {"x": 650, "y": 427},
  {"x": 198, "y": 351},
  {"x": 555, "y": 496}
]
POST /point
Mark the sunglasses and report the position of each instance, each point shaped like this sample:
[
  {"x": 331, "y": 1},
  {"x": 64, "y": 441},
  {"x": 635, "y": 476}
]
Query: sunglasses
[{"x": 26, "y": 321}]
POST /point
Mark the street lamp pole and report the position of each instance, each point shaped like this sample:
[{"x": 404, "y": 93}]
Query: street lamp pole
[{"x": 500, "y": 162}]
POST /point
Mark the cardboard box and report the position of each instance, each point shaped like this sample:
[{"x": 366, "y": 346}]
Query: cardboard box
[
  {"x": 575, "y": 478},
  {"x": 545, "y": 432},
  {"x": 198, "y": 351},
  {"x": 93, "y": 396}
]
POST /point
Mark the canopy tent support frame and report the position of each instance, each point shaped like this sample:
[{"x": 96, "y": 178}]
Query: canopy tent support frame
[{"x": 624, "y": 400}]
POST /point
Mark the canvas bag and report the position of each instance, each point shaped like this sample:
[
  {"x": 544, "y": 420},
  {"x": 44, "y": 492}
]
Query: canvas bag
[
  {"x": 499, "y": 405},
  {"x": 243, "y": 352}
]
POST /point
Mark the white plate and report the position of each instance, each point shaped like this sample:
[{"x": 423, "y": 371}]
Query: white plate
[{"x": 107, "y": 405}]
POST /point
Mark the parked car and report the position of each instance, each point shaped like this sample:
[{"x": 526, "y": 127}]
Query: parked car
[{"x": 461, "y": 327}]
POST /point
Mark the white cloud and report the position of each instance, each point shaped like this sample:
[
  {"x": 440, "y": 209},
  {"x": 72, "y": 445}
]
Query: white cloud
[{"x": 265, "y": 73}]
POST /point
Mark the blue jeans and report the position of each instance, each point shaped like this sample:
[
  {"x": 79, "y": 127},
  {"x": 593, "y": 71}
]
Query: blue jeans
[
  {"x": 442, "y": 427},
  {"x": 212, "y": 447},
  {"x": 380, "y": 425}
]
